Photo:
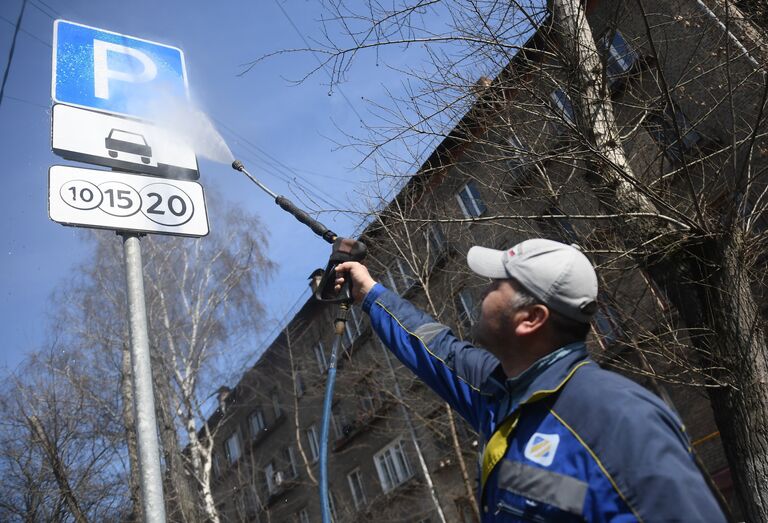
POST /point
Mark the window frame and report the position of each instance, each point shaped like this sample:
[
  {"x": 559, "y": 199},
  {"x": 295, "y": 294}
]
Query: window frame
[
  {"x": 474, "y": 198},
  {"x": 616, "y": 64},
  {"x": 361, "y": 501},
  {"x": 320, "y": 357},
  {"x": 400, "y": 276},
  {"x": 258, "y": 414},
  {"x": 662, "y": 126},
  {"x": 289, "y": 456},
  {"x": 563, "y": 105},
  {"x": 402, "y": 469},
  {"x": 270, "y": 476},
  {"x": 235, "y": 437},
  {"x": 467, "y": 310},
  {"x": 313, "y": 441},
  {"x": 277, "y": 408}
]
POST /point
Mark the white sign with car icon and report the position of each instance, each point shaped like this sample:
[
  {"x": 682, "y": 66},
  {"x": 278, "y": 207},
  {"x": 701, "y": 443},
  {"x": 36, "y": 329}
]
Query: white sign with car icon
[{"x": 121, "y": 143}]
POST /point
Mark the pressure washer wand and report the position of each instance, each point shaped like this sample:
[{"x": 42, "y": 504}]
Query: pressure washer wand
[
  {"x": 287, "y": 205},
  {"x": 344, "y": 249}
]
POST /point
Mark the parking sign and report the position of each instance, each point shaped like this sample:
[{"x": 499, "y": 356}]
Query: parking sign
[{"x": 114, "y": 73}]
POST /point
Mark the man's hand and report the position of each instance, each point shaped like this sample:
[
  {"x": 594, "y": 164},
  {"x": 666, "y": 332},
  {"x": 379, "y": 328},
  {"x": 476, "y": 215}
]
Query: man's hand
[{"x": 360, "y": 278}]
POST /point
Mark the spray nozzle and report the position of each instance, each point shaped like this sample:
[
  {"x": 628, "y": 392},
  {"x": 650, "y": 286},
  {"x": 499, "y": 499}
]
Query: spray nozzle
[{"x": 238, "y": 165}]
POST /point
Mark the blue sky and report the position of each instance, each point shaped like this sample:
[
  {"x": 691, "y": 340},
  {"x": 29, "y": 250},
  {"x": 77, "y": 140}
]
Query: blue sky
[{"x": 266, "y": 119}]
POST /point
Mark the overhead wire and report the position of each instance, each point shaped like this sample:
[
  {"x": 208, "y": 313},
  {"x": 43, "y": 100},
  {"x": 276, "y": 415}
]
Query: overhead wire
[
  {"x": 31, "y": 35},
  {"x": 282, "y": 171},
  {"x": 13, "y": 48},
  {"x": 34, "y": 4}
]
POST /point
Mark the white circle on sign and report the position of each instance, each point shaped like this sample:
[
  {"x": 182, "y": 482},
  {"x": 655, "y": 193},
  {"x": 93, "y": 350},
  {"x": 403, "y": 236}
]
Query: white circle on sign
[
  {"x": 120, "y": 199},
  {"x": 166, "y": 204},
  {"x": 80, "y": 194}
]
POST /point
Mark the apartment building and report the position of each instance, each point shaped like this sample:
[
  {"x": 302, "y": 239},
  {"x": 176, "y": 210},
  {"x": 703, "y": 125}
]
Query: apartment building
[{"x": 512, "y": 168}]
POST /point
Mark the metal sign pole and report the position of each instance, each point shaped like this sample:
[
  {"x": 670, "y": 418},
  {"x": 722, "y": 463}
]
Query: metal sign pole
[{"x": 144, "y": 400}]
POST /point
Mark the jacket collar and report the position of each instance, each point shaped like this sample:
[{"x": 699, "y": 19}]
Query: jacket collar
[{"x": 545, "y": 377}]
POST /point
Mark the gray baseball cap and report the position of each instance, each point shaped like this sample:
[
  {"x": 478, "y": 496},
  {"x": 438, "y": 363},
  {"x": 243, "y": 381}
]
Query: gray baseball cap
[{"x": 559, "y": 275}]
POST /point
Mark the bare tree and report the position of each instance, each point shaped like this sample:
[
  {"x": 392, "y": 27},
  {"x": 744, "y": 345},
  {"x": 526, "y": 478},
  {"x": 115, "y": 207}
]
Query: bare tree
[
  {"x": 644, "y": 141},
  {"x": 61, "y": 441},
  {"x": 202, "y": 303}
]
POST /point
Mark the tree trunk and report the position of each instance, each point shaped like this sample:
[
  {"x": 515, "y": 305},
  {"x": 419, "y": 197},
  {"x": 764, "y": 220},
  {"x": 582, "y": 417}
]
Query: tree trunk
[
  {"x": 181, "y": 504},
  {"x": 703, "y": 277},
  {"x": 738, "y": 346},
  {"x": 59, "y": 470},
  {"x": 201, "y": 465}
]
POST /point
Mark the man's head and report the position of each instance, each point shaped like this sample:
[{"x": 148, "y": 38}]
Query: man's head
[{"x": 541, "y": 288}]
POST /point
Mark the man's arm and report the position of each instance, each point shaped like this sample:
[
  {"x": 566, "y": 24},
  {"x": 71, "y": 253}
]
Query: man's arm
[{"x": 458, "y": 372}]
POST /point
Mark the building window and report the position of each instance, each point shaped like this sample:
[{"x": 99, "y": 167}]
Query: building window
[
  {"x": 332, "y": 505},
  {"x": 563, "y": 105},
  {"x": 663, "y": 126},
  {"x": 216, "y": 466},
  {"x": 400, "y": 276},
  {"x": 558, "y": 229},
  {"x": 467, "y": 309},
  {"x": 355, "y": 321},
  {"x": 303, "y": 516},
  {"x": 469, "y": 199},
  {"x": 270, "y": 476},
  {"x": 608, "y": 325},
  {"x": 314, "y": 445},
  {"x": 355, "y": 480},
  {"x": 436, "y": 242},
  {"x": 322, "y": 363},
  {"x": 392, "y": 466},
  {"x": 253, "y": 503},
  {"x": 619, "y": 56},
  {"x": 256, "y": 423},
  {"x": 289, "y": 456},
  {"x": 299, "y": 386},
  {"x": 339, "y": 422},
  {"x": 232, "y": 447},
  {"x": 276, "y": 408},
  {"x": 517, "y": 159},
  {"x": 370, "y": 399}
]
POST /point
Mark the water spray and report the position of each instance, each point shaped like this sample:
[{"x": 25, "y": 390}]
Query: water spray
[{"x": 344, "y": 249}]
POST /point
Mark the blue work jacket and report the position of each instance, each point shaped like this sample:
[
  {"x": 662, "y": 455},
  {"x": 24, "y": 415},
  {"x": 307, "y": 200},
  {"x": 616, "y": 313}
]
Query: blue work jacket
[{"x": 579, "y": 443}]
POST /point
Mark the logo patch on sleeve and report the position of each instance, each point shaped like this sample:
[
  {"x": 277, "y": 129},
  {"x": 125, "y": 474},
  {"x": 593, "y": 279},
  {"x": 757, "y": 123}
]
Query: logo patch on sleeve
[{"x": 541, "y": 448}]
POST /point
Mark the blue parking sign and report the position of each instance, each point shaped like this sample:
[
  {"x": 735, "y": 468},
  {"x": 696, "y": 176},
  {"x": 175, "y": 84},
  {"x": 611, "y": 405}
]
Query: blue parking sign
[{"x": 114, "y": 73}]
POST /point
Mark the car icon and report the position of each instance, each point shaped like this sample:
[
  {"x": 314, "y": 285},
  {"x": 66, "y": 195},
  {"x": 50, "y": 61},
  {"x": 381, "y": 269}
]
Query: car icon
[{"x": 127, "y": 142}]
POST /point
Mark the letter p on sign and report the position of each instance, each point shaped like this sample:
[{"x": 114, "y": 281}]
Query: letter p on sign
[
  {"x": 102, "y": 73},
  {"x": 114, "y": 73}
]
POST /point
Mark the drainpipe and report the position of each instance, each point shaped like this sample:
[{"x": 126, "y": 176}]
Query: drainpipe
[{"x": 707, "y": 11}]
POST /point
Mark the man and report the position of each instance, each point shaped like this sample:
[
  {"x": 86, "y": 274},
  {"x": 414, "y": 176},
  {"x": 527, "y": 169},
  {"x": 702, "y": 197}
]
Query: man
[{"x": 564, "y": 440}]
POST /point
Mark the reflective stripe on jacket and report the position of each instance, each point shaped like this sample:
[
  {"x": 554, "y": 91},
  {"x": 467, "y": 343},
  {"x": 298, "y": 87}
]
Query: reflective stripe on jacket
[{"x": 580, "y": 443}]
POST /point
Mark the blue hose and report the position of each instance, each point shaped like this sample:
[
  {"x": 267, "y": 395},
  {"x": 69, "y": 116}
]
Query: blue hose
[{"x": 327, "y": 404}]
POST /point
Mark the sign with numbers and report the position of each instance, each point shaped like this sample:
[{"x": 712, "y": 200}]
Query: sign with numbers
[
  {"x": 117, "y": 200},
  {"x": 114, "y": 73}
]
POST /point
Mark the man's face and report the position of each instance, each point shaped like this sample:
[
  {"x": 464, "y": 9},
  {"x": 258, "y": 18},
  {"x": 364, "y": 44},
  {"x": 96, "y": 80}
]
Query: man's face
[{"x": 495, "y": 330}]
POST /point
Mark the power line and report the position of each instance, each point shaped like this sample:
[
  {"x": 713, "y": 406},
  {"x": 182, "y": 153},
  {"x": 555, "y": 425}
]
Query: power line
[
  {"x": 320, "y": 62},
  {"x": 31, "y": 35},
  {"x": 46, "y": 13},
  {"x": 13, "y": 48},
  {"x": 48, "y": 6},
  {"x": 22, "y": 100},
  {"x": 282, "y": 171}
]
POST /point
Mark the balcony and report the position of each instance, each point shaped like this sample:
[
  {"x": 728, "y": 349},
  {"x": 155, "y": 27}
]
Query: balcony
[
  {"x": 282, "y": 484},
  {"x": 362, "y": 422}
]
